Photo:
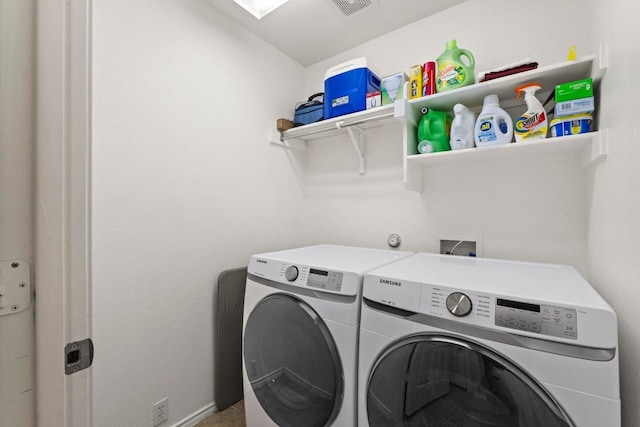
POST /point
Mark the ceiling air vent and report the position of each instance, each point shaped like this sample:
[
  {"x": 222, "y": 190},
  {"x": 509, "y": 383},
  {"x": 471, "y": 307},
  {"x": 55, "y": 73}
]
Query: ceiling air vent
[{"x": 351, "y": 6}]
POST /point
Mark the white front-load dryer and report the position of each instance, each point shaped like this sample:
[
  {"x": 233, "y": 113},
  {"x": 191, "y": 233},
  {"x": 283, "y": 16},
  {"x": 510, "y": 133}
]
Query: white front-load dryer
[
  {"x": 457, "y": 341},
  {"x": 300, "y": 334}
]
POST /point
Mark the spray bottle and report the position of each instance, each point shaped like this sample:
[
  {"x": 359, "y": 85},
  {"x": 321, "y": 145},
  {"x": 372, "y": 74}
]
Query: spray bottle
[
  {"x": 464, "y": 121},
  {"x": 533, "y": 123}
]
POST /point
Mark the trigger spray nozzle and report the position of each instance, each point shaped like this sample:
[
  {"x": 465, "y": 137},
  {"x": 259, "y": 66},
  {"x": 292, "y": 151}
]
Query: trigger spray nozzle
[{"x": 528, "y": 89}]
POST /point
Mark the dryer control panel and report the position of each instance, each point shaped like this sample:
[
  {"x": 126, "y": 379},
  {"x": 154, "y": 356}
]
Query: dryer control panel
[
  {"x": 303, "y": 275},
  {"x": 313, "y": 278},
  {"x": 323, "y": 279}
]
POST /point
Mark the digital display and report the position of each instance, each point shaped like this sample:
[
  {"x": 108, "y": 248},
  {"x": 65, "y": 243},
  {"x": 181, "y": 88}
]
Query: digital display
[
  {"x": 328, "y": 280},
  {"x": 519, "y": 305}
]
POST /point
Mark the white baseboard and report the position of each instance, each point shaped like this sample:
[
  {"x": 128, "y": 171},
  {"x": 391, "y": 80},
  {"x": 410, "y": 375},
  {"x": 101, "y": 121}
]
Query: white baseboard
[{"x": 197, "y": 416}]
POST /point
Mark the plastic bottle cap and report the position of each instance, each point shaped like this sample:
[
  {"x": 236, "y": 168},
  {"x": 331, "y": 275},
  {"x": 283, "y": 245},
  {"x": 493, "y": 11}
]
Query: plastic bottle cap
[
  {"x": 451, "y": 44},
  {"x": 492, "y": 100}
]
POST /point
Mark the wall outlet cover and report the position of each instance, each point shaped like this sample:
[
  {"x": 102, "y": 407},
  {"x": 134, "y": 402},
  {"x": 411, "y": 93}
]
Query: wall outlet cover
[{"x": 161, "y": 411}]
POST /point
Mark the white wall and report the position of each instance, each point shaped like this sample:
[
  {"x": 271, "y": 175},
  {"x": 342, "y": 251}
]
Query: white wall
[
  {"x": 17, "y": 121},
  {"x": 614, "y": 229},
  {"x": 185, "y": 186},
  {"x": 532, "y": 209}
]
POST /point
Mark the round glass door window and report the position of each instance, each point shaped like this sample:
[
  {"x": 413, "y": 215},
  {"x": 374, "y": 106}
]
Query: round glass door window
[
  {"x": 292, "y": 363},
  {"x": 436, "y": 381}
]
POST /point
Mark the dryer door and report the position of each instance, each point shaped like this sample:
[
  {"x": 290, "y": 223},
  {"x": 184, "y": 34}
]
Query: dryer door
[
  {"x": 292, "y": 363},
  {"x": 439, "y": 381}
]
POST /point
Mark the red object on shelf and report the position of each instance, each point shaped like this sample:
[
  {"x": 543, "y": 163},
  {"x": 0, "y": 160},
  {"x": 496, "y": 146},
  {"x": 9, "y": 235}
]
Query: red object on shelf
[
  {"x": 510, "y": 71},
  {"x": 429, "y": 78}
]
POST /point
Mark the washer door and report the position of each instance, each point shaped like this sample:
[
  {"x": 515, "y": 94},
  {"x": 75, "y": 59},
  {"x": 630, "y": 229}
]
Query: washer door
[
  {"x": 292, "y": 363},
  {"x": 441, "y": 381}
]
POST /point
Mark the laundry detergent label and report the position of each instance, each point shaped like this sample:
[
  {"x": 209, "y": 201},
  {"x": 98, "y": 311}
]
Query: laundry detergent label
[
  {"x": 450, "y": 75},
  {"x": 531, "y": 126},
  {"x": 487, "y": 130}
]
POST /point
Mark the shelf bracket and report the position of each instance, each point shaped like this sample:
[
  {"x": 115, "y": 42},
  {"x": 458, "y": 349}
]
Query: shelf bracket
[
  {"x": 281, "y": 142},
  {"x": 358, "y": 144}
]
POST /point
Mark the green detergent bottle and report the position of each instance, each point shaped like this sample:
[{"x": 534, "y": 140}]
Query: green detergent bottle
[
  {"x": 452, "y": 72},
  {"x": 433, "y": 131}
]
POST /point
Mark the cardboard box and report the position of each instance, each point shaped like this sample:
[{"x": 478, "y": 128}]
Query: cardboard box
[
  {"x": 578, "y": 89},
  {"x": 392, "y": 87},
  {"x": 576, "y": 106},
  {"x": 283, "y": 124},
  {"x": 415, "y": 82}
]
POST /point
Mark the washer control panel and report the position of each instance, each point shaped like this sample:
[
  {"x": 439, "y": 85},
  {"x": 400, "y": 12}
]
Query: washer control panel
[
  {"x": 477, "y": 308},
  {"x": 543, "y": 319}
]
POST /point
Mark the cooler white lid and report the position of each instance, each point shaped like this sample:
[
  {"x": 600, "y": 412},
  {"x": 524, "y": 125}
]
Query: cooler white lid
[
  {"x": 347, "y": 259},
  {"x": 552, "y": 283},
  {"x": 353, "y": 64}
]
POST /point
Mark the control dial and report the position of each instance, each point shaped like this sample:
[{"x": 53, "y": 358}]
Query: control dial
[
  {"x": 291, "y": 273},
  {"x": 459, "y": 304}
]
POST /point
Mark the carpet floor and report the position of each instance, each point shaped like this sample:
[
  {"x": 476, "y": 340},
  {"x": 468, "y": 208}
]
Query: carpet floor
[{"x": 230, "y": 417}]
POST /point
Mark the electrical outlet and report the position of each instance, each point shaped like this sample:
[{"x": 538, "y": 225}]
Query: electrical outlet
[{"x": 161, "y": 411}]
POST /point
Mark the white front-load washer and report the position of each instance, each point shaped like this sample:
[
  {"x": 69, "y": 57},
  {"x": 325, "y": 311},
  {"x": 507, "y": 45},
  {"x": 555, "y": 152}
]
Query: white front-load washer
[
  {"x": 457, "y": 341},
  {"x": 300, "y": 334}
]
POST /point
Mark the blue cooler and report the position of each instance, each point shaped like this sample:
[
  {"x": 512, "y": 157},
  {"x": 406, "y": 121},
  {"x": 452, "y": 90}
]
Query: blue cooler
[{"x": 346, "y": 87}]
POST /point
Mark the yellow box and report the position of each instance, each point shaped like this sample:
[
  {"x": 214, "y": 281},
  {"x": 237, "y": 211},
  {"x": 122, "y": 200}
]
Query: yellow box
[{"x": 415, "y": 82}]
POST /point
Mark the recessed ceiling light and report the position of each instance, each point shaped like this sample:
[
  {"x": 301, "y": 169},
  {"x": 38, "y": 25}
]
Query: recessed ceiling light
[{"x": 260, "y": 8}]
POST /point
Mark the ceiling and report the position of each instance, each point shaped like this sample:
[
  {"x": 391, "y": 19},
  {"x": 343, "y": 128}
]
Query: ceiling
[{"x": 310, "y": 31}]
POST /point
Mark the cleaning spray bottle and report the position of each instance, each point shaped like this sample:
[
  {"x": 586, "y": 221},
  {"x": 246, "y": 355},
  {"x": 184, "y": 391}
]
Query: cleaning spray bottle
[
  {"x": 533, "y": 123},
  {"x": 494, "y": 126},
  {"x": 464, "y": 121}
]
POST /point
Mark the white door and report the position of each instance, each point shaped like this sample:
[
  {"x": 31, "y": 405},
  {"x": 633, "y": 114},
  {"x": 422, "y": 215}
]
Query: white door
[{"x": 61, "y": 205}]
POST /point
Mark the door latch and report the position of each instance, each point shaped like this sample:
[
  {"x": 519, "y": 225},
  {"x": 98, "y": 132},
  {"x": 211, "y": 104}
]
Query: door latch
[{"x": 78, "y": 356}]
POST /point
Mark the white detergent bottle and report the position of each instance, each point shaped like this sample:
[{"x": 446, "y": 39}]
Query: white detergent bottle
[
  {"x": 533, "y": 123},
  {"x": 493, "y": 126},
  {"x": 464, "y": 121}
]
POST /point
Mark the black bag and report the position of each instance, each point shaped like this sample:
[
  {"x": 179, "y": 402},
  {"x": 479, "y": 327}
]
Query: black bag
[{"x": 310, "y": 111}]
